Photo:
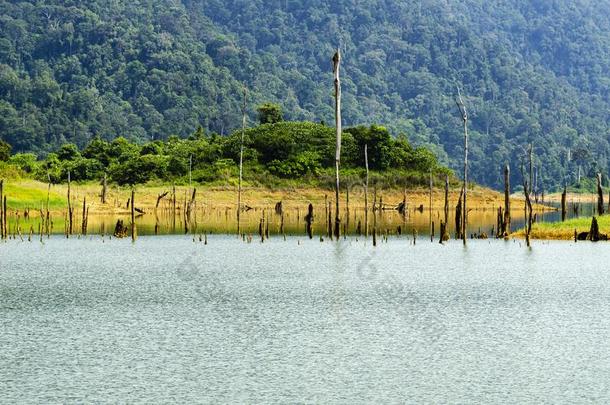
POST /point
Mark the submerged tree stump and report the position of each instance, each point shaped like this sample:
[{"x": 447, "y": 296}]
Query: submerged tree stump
[
  {"x": 309, "y": 221},
  {"x": 593, "y": 235},
  {"x": 458, "y": 217},
  {"x": 120, "y": 230}
]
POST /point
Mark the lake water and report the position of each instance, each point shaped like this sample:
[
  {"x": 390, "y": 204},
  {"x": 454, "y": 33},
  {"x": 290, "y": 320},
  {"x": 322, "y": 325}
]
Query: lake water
[{"x": 169, "y": 320}]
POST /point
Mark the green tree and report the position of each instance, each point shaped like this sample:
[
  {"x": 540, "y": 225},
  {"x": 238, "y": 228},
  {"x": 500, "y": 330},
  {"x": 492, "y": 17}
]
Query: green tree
[
  {"x": 5, "y": 151},
  {"x": 270, "y": 113}
]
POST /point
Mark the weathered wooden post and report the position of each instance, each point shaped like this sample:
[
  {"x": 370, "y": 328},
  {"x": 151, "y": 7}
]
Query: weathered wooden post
[
  {"x": 506, "y": 228},
  {"x": 241, "y": 158},
  {"x": 336, "y": 66},
  {"x": 134, "y": 231},
  {"x": 464, "y": 112},
  {"x": 600, "y": 195}
]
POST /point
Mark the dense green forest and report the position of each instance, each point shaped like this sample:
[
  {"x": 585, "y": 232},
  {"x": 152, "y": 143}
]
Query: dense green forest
[
  {"x": 532, "y": 71},
  {"x": 275, "y": 153}
]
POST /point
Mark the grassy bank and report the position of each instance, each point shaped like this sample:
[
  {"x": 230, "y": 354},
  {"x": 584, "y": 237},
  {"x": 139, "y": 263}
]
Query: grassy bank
[{"x": 565, "y": 230}]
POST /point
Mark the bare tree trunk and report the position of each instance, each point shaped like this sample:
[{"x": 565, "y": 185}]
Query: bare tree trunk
[
  {"x": 600, "y": 195},
  {"x": 528, "y": 203},
  {"x": 84, "y": 219},
  {"x": 1, "y": 209},
  {"x": 4, "y": 214},
  {"x": 70, "y": 209},
  {"x": 366, "y": 193},
  {"x": 47, "y": 219},
  {"x": 464, "y": 112},
  {"x": 241, "y": 158},
  {"x": 431, "y": 226},
  {"x": 104, "y": 187},
  {"x": 174, "y": 208},
  {"x": 346, "y": 225},
  {"x": 506, "y": 226},
  {"x": 564, "y": 208},
  {"x": 309, "y": 221},
  {"x": 375, "y": 215},
  {"x": 458, "y": 217},
  {"x": 444, "y": 233},
  {"x": 133, "y": 216},
  {"x": 336, "y": 66}
]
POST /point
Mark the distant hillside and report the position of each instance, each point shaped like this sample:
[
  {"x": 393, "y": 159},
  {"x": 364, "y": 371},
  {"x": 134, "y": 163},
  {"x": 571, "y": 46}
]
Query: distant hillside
[{"x": 533, "y": 71}]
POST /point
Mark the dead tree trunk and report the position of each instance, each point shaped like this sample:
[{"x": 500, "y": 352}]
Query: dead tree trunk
[
  {"x": 600, "y": 195},
  {"x": 528, "y": 205},
  {"x": 506, "y": 226},
  {"x": 336, "y": 66},
  {"x": 330, "y": 221},
  {"x": 346, "y": 226},
  {"x": 84, "y": 218},
  {"x": 464, "y": 112},
  {"x": 458, "y": 217},
  {"x": 366, "y": 193},
  {"x": 174, "y": 208},
  {"x": 1, "y": 209},
  {"x": 309, "y": 221},
  {"x": 241, "y": 159},
  {"x": 70, "y": 209},
  {"x": 431, "y": 226},
  {"x": 134, "y": 231},
  {"x": 443, "y": 232},
  {"x": 159, "y": 198},
  {"x": 564, "y": 208},
  {"x": 104, "y": 187},
  {"x": 47, "y": 218},
  {"x": 375, "y": 215},
  {"x": 4, "y": 213}
]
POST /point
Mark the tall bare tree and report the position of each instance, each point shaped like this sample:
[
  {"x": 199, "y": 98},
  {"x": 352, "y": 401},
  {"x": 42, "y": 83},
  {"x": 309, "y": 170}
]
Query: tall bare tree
[
  {"x": 464, "y": 113},
  {"x": 336, "y": 66},
  {"x": 241, "y": 158},
  {"x": 366, "y": 192}
]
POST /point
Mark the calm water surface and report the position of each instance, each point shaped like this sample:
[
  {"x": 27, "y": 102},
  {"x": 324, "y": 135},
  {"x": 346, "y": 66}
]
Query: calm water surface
[{"x": 169, "y": 320}]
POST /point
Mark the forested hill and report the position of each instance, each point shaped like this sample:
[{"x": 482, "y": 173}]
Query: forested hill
[{"x": 533, "y": 71}]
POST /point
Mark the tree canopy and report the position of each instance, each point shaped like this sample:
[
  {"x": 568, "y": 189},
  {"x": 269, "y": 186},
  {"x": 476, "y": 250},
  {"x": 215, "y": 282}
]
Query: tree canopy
[{"x": 273, "y": 153}]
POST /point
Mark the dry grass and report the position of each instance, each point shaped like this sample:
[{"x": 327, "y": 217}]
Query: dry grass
[{"x": 32, "y": 194}]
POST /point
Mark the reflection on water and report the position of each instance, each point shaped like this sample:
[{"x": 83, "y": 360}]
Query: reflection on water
[
  {"x": 292, "y": 222},
  {"x": 169, "y": 320}
]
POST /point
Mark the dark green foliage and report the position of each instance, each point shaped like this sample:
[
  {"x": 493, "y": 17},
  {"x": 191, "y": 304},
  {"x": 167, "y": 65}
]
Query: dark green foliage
[
  {"x": 5, "y": 151},
  {"x": 270, "y": 113},
  {"x": 532, "y": 72},
  {"x": 300, "y": 151}
]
